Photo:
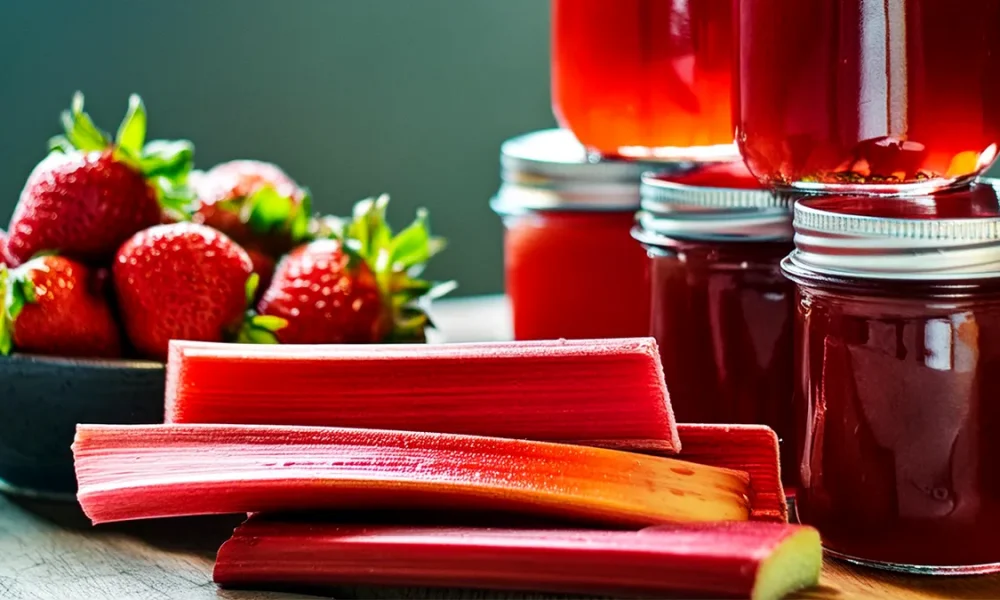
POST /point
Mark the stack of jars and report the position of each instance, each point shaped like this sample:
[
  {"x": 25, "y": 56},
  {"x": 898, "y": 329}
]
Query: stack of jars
[{"x": 838, "y": 279}]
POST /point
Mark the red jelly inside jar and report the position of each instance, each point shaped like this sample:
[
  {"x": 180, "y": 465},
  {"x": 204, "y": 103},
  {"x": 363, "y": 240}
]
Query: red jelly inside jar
[
  {"x": 722, "y": 312},
  {"x": 896, "y": 96},
  {"x": 572, "y": 268},
  {"x": 645, "y": 78},
  {"x": 897, "y": 379}
]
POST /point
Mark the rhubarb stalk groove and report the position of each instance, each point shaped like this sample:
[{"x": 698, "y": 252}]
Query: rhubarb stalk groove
[{"x": 147, "y": 471}]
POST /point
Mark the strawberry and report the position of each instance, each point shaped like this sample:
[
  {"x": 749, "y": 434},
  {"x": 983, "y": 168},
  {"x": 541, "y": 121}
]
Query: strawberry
[
  {"x": 255, "y": 203},
  {"x": 4, "y": 261},
  {"x": 181, "y": 281},
  {"x": 55, "y": 305},
  {"x": 91, "y": 193},
  {"x": 359, "y": 287}
]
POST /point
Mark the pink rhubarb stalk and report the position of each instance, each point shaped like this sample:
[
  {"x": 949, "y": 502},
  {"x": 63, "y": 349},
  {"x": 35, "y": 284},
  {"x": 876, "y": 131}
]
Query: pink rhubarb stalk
[
  {"x": 600, "y": 392},
  {"x": 145, "y": 471},
  {"x": 762, "y": 561}
]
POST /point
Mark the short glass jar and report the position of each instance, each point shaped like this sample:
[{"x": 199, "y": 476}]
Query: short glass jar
[
  {"x": 722, "y": 312},
  {"x": 572, "y": 268},
  {"x": 879, "y": 97},
  {"x": 645, "y": 79},
  {"x": 898, "y": 378}
]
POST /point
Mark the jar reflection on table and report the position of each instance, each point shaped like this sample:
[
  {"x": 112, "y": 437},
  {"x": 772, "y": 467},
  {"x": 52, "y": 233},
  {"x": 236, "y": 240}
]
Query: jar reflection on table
[
  {"x": 896, "y": 96},
  {"x": 722, "y": 312},
  {"x": 645, "y": 78},
  {"x": 897, "y": 386}
]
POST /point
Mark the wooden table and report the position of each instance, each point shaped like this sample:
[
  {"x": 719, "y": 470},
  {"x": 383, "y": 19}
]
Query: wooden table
[{"x": 48, "y": 550}]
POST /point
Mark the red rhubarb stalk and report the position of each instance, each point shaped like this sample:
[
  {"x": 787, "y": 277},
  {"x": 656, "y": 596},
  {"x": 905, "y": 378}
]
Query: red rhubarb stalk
[
  {"x": 146, "y": 471},
  {"x": 596, "y": 391},
  {"x": 750, "y": 448},
  {"x": 746, "y": 560}
]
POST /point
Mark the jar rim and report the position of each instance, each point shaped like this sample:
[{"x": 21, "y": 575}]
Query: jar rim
[
  {"x": 953, "y": 235},
  {"x": 551, "y": 170},
  {"x": 717, "y": 202}
]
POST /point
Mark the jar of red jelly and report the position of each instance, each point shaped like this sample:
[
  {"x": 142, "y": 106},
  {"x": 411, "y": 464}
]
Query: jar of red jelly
[
  {"x": 645, "y": 78},
  {"x": 572, "y": 268},
  {"x": 722, "y": 312},
  {"x": 895, "y": 96},
  {"x": 898, "y": 378}
]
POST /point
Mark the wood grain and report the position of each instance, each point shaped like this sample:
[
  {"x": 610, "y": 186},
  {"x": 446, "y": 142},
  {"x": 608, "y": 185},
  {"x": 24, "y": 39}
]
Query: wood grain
[{"x": 49, "y": 551}]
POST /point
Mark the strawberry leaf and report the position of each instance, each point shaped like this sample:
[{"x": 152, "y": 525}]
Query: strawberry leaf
[
  {"x": 412, "y": 245},
  {"x": 267, "y": 211},
  {"x": 299, "y": 228},
  {"x": 176, "y": 199},
  {"x": 173, "y": 159},
  {"x": 6, "y": 321},
  {"x": 132, "y": 131},
  {"x": 250, "y": 288},
  {"x": 369, "y": 227},
  {"x": 81, "y": 133},
  {"x": 268, "y": 323}
]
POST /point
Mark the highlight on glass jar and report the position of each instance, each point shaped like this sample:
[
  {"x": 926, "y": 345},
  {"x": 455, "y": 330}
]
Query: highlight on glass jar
[
  {"x": 646, "y": 79},
  {"x": 898, "y": 375},
  {"x": 572, "y": 269},
  {"x": 894, "y": 97},
  {"x": 721, "y": 311}
]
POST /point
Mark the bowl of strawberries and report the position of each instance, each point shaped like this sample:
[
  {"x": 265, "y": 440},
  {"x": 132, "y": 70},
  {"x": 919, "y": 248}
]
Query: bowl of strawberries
[{"x": 118, "y": 245}]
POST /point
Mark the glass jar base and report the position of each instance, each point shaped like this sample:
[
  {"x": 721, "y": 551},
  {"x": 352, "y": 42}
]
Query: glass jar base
[
  {"x": 916, "y": 188},
  {"x": 941, "y": 570},
  {"x": 694, "y": 154}
]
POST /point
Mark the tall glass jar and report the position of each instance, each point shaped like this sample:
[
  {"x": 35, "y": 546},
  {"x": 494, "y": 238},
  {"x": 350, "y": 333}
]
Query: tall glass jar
[
  {"x": 645, "y": 78},
  {"x": 887, "y": 97},
  {"x": 721, "y": 309},
  {"x": 898, "y": 378},
  {"x": 572, "y": 268}
]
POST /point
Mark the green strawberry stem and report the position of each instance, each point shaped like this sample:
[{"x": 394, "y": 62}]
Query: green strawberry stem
[
  {"x": 397, "y": 261},
  {"x": 266, "y": 211},
  {"x": 257, "y": 329},
  {"x": 165, "y": 164},
  {"x": 15, "y": 291}
]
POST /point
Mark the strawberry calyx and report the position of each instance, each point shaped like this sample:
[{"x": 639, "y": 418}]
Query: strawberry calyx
[
  {"x": 165, "y": 164},
  {"x": 398, "y": 260},
  {"x": 266, "y": 211},
  {"x": 16, "y": 290},
  {"x": 255, "y": 328}
]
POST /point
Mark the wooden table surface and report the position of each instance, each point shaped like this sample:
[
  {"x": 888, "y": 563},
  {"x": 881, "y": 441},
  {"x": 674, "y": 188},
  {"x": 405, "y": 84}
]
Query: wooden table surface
[{"x": 48, "y": 550}]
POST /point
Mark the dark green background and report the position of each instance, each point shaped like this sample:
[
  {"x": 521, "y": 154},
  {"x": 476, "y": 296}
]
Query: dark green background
[{"x": 352, "y": 97}]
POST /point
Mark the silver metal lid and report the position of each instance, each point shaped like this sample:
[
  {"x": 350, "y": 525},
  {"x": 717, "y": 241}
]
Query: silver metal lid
[
  {"x": 952, "y": 235},
  {"x": 550, "y": 170},
  {"x": 720, "y": 202}
]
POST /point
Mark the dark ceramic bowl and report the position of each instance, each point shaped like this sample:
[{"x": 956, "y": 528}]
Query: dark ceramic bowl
[{"x": 43, "y": 398}]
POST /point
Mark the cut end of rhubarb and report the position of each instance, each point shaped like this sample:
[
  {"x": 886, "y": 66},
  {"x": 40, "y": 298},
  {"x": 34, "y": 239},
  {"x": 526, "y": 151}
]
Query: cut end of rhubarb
[{"x": 794, "y": 565}]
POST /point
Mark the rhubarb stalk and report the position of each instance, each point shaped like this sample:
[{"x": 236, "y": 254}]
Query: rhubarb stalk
[
  {"x": 750, "y": 448},
  {"x": 600, "y": 392},
  {"x": 749, "y": 560},
  {"x": 146, "y": 471}
]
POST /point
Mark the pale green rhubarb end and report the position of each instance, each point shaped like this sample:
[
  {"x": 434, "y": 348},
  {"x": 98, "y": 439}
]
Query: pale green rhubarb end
[
  {"x": 15, "y": 291},
  {"x": 129, "y": 472},
  {"x": 398, "y": 261},
  {"x": 165, "y": 164},
  {"x": 761, "y": 561}
]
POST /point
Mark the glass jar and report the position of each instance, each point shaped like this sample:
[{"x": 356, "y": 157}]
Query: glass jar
[
  {"x": 572, "y": 269},
  {"x": 721, "y": 309},
  {"x": 645, "y": 78},
  {"x": 898, "y": 378},
  {"x": 879, "y": 97}
]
